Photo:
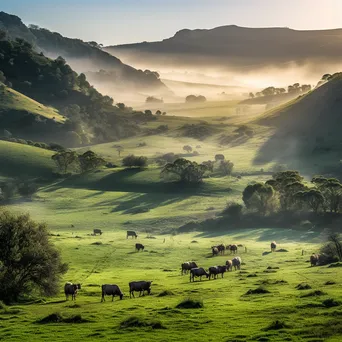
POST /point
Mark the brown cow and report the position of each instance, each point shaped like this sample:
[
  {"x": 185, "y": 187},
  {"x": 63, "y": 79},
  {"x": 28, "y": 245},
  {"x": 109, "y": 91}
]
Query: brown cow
[
  {"x": 187, "y": 266},
  {"x": 273, "y": 246},
  {"x": 229, "y": 264},
  {"x": 214, "y": 250},
  {"x": 314, "y": 259}
]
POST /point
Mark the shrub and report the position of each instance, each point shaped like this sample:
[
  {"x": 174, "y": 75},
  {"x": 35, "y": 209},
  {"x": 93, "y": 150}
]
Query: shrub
[
  {"x": 259, "y": 290},
  {"x": 226, "y": 167},
  {"x": 134, "y": 161},
  {"x": 276, "y": 325},
  {"x": 27, "y": 189},
  {"x": 165, "y": 293},
  {"x": 303, "y": 286},
  {"x": 330, "y": 302},
  {"x": 233, "y": 210}
]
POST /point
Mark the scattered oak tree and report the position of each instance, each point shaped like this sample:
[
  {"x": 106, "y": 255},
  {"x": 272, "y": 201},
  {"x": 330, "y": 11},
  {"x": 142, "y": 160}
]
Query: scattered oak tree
[
  {"x": 29, "y": 262},
  {"x": 64, "y": 160},
  {"x": 90, "y": 161},
  {"x": 187, "y": 148}
]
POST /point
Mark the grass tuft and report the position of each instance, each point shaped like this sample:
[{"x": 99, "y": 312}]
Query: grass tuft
[
  {"x": 165, "y": 293},
  {"x": 190, "y": 304},
  {"x": 330, "y": 302},
  {"x": 313, "y": 294},
  {"x": 276, "y": 325},
  {"x": 303, "y": 286},
  {"x": 258, "y": 290},
  {"x": 58, "y": 318},
  {"x": 137, "y": 322},
  {"x": 336, "y": 264},
  {"x": 330, "y": 282}
]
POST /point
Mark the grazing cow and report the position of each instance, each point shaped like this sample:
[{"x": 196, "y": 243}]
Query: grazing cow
[
  {"x": 221, "y": 248},
  {"x": 232, "y": 248},
  {"x": 111, "y": 290},
  {"x": 198, "y": 272},
  {"x": 236, "y": 263},
  {"x": 71, "y": 289},
  {"x": 97, "y": 231},
  {"x": 139, "y": 246},
  {"x": 187, "y": 266},
  {"x": 215, "y": 270},
  {"x": 229, "y": 264},
  {"x": 214, "y": 250},
  {"x": 314, "y": 258},
  {"x": 131, "y": 233},
  {"x": 140, "y": 286},
  {"x": 273, "y": 246}
]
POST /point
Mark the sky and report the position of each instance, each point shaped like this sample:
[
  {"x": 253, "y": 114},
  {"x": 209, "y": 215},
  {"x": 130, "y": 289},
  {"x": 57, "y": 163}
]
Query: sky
[{"x": 112, "y": 22}]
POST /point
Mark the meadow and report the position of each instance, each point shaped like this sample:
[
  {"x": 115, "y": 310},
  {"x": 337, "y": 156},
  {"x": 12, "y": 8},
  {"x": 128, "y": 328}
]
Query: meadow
[{"x": 118, "y": 199}]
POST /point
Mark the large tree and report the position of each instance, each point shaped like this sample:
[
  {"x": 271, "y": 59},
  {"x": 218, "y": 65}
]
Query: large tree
[
  {"x": 29, "y": 263},
  {"x": 64, "y": 160},
  {"x": 90, "y": 161}
]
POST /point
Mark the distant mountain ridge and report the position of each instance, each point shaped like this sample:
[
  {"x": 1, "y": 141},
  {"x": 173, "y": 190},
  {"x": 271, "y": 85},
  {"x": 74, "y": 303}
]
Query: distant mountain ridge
[
  {"x": 238, "y": 47},
  {"x": 81, "y": 55}
]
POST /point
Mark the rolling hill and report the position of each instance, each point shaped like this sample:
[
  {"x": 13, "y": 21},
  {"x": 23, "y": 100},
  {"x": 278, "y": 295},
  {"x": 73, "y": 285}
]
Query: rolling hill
[
  {"x": 308, "y": 129},
  {"x": 82, "y": 56},
  {"x": 237, "y": 48}
]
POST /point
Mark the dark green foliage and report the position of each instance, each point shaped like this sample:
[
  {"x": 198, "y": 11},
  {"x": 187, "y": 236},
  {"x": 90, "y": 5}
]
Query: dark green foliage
[
  {"x": 190, "y": 304},
  {"x": 259, "y": 196},
  {"x": 90, "y": 161},
  {"x": 65, "y": 159},
  {"x": 233, "y": 210},
  {"x": 30, "y": 263},
  {"x": 7, "y": 190},
  {"x": 134, "y": 161},
  {"x": 313, "y": 198},
  {"x": 197, "y": 131},
  {"x": 332, "y": 250},
  {"x": 185, "y": 171},
  {"x": 27, "y": 188},
  {"x": 137, "y": 322},
  {"x": 225, "y": 167},
  {"x": 166, "y": 158}
]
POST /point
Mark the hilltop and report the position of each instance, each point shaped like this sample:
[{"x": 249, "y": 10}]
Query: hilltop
[
  {"x": 82, "y": 56},
  {"x": 307, "y": 129},
  {"x": 238, "y": 48}
]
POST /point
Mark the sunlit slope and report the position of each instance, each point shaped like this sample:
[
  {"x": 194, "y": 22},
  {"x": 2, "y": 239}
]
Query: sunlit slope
[
  {"x": 18, "y": 160},
  {"x": 13, "y": 100}
]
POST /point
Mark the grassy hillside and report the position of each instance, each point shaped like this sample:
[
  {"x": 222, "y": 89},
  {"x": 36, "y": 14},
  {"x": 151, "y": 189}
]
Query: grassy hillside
[
  {"x": 18, "y": 160},
  {"x": 13, "y": 100},
  {"x": 307, "y": 131}
]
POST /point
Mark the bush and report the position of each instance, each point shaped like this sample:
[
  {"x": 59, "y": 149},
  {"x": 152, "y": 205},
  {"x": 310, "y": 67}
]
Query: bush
[
  {"x": 259, "y": 290},
  {"x": 134, "y": 161},
  {"x": 226, "y": 167},
  {"x": 276, "y": 325},
  {"x": 137, "y": 322},
  {"x": 233, "y": 210},
  {"x": 27, "y": 189},
  {"x": 30, "y": 262},
  {"x": 165, "y": 293}
]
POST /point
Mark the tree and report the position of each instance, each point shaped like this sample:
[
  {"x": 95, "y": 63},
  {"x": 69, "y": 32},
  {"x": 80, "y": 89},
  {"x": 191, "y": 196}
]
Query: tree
[
  {"x": 119, "y": 149},
  {"x": 158, "y": 112},
  {"x": 134, "y": 161},
  {"x": 90, "y": 161},
  {"x": 7, "y": 190},
  {"x": 64, "y": 159},
  {"x": 268, "y": 91},
  {"x": 305, "y": 88},
  {"x": 152, "y": 99},
  {"x": 121, "y": 106},
  {"x": 226, "y": 167},
  {"x": 185, "y": 171},
  {"x": 219, "y": 157},
  {"x": 313, "y": 198},
  {"x": 233, "y": 210},
  {"x": 27, "y": 188},
  {"x": 187, "y": 148},
  {"x": 29, "y": 261},
  {"x": 194, "y": 98},
  {"x": 3, "y": 35},
  {"x": 251, "y": 95},
  {"x": 2, "y": 77},
  {"x": 259, "y": 196},
  {"x": 331, "y": 189},
  {"x": 332, "y": 250}
]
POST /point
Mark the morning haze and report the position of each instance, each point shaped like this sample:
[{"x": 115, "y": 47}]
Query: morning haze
[{"x": 170, "y": 169}]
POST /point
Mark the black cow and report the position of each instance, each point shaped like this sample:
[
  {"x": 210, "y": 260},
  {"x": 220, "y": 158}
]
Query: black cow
[
  {"x": 187, "y": 266},
  {"x": 215, "y": 270},
  {"x": 139, "y": 246},
  {"x": 140, "y": 286},
  {"x": 198, "y": 272},
  {"x": 111, "y": 290},
  {"x": 71, "y": 289},
  {"x": 131, "y": 233},
  {"x": 97, "y": 231}
]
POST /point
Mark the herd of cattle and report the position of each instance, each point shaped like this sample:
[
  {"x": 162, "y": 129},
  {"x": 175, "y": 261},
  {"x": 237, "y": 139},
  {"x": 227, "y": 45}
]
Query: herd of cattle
[{"x": 191, "y": 267}]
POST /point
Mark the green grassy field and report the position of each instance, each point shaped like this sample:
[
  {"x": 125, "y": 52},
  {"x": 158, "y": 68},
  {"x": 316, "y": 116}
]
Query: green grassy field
[
  {"x": 18, "y": 160},
  {"x": 227, "y": 314},
  {"x": 11, "y": 99}
]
